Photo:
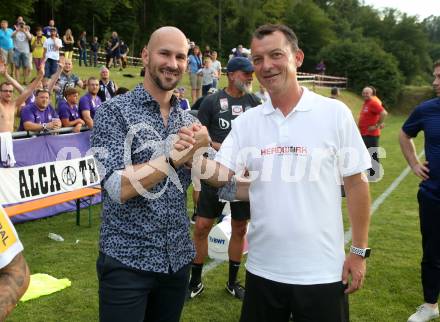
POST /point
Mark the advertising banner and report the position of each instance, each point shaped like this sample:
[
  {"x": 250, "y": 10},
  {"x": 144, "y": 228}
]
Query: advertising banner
[{"x": 48, "y": 165}]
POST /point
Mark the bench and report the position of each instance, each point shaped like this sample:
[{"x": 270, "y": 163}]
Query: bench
[{"x": 57, "y": 199}]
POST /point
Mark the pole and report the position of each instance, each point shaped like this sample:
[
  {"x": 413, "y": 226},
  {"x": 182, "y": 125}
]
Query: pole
[{"x": 220, "y": 25}]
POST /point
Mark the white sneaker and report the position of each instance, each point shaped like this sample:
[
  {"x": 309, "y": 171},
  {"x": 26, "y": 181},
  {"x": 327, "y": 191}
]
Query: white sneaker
[{"x": 424, "y": 313}]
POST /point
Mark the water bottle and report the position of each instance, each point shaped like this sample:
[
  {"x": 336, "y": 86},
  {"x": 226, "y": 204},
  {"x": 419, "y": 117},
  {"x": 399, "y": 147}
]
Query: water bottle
[{"x": 55, "y": 237}]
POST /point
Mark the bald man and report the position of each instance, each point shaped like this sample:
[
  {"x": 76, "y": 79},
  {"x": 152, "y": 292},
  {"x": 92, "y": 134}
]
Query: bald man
[
  {"x": 371, "y": 121},
  {"x": 145, "y": 245}
]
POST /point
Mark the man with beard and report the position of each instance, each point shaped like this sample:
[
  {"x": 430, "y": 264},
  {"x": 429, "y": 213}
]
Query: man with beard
[
  {"x": 90, "y": 102},
  {"x": 145, "y": 245},
  {"x": 40, "y": 115},
  {"x": 107, "y": 87},
  {"x": 426, "y": 118},
  {"x": 217, "y": 112},
  {"x": 67, "y": 79},
  {"x": 51, "y": 53}
]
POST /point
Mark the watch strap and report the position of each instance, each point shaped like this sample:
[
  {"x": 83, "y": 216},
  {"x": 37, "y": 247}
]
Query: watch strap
[{"x": 363, "y": 252}]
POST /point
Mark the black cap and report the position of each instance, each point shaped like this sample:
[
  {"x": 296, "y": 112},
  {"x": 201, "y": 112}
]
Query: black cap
[{"x": 240, "y": 63}]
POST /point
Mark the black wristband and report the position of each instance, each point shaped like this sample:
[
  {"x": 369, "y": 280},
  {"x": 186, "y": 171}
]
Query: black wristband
[{"x": 171, "y": 163}]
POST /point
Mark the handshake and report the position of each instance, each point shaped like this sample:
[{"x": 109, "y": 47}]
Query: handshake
[{"x": 190, "y": 144}]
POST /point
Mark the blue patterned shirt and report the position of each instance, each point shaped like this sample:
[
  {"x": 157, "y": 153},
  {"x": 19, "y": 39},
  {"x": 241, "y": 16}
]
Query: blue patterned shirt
[{"x": 149, "y": 232}]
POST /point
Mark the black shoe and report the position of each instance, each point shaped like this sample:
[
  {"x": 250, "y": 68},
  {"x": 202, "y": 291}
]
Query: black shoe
[
  {"x": 235, "y": 290},
  {"x": 194, "y": 291}
]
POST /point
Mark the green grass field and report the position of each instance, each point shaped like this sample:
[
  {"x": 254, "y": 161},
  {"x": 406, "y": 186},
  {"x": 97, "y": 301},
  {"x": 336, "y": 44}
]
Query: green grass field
[{"x": 392, "y": 288}]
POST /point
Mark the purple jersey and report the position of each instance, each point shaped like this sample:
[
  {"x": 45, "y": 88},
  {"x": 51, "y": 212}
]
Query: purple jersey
[
  {"x": 87, "y": 103},
  {"x": 31, "y": 113},
  {"x": 30, "y": 99},
  {"x": 68, "y": 112}
]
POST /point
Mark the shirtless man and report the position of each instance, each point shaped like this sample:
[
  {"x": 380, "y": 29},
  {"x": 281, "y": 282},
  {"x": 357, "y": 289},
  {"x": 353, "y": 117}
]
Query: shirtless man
[{"x": 8, "y": 105}]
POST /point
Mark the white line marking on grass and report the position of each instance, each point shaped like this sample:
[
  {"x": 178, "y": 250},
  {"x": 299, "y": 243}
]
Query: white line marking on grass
[
  {"x": 376, "y": 204},
  {"x": 211, "y": 265}
]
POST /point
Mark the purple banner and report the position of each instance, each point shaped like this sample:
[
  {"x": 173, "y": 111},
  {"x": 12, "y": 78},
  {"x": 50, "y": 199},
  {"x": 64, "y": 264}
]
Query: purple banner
[{"x": 43, "y": 149}]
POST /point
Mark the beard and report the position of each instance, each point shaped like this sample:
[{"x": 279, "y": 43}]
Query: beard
[
  {"x": 155, "y": 77},
  {"x": 241, "y": 86}
]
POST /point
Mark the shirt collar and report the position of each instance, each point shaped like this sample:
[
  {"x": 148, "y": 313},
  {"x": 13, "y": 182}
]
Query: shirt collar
[
  {"x": 304, "y": 104},
  {"x": 142, "y": 96},
  {"x": 35, "y": 107}
]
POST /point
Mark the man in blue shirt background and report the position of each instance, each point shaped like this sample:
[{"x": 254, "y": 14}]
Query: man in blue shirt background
[
  {"x": 426, "y": 118},
  {"x": 6, "y": 45}
]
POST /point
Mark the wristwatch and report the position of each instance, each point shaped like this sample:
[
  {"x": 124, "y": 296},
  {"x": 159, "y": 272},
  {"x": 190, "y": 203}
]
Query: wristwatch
[{"x": 362, "y": 252}]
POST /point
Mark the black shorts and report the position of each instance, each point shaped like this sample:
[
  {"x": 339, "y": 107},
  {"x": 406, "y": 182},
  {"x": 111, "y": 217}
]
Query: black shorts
[
  {"x": 210, "y": 207},
  {"x": 269, "y": 301}
]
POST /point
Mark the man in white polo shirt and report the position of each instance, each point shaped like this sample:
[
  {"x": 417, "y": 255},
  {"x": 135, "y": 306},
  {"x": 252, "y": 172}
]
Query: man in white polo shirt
[
  {"x": 296, "y": 146},
  {"x": 14, "y": 272}
]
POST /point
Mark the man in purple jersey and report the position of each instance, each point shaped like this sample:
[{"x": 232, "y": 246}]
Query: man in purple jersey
[
  {"x": 68, "y": 110},
  {"x": 90, "y": 102},
  {"x": 40, "y": 115}
]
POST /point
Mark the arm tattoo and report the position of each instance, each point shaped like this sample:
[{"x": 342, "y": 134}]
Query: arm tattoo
[{"x": 14, "y": 281}]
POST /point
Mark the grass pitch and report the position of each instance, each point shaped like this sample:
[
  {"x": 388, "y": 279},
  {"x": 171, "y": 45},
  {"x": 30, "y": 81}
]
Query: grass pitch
[{"x": 392, "y": 288}]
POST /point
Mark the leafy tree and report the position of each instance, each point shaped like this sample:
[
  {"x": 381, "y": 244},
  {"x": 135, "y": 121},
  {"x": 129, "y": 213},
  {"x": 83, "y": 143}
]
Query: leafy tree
[
  {"x": 272, "y": 11},
  {"x": 10, "y": 10},
  {"x": 409, "y": 44},
  {"x": 431, "y": 26},
  {"x": 364, "y": 63},
  {"x": 307, "y": 20}
]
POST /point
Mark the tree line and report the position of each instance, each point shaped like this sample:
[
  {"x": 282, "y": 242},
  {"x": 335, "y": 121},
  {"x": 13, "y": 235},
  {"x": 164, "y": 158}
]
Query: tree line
[{"x": 387, "y": 49}]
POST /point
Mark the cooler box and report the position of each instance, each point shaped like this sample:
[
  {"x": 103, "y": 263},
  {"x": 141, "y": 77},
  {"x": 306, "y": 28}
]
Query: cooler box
[{"x": 218, "y": 240}]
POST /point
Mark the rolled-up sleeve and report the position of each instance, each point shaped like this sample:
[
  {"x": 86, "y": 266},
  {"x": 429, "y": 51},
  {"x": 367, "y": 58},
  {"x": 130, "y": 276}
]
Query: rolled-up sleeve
[{"x": 108, "y": 141}]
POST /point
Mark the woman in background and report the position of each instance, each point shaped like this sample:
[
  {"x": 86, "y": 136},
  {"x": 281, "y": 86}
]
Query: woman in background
[{"x": 68, "y": 44}]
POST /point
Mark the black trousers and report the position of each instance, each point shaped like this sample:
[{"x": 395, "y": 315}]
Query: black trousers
[
  {"x": 269, "y": 301},
  {"x": 131, "y": 295},
  {"x": 372, "y": 143},
  {"x": 429, "y": 212}
]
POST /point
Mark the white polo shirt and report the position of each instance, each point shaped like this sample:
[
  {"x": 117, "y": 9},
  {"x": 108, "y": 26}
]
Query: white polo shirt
[
  {"x": 10, "y": 245},
  {"x": 296, "y": 231}
]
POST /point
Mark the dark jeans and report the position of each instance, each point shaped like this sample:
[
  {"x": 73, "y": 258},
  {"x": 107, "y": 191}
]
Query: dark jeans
[
  {"x": 131, "y": 295},
  {"x": 429, "y": 212},
  {"x": 93, "y": 58},
  {"x": 372, "y": 143},
  {"x": 83, "y": 56},
  {"x": 50, "y": 67},
  {"x": 269, "y": 301}
]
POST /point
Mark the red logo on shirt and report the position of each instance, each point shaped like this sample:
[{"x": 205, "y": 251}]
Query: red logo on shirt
[{"x": 283, "y": 150}]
